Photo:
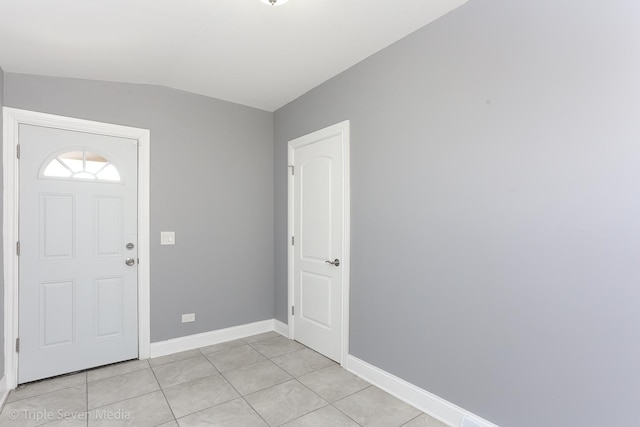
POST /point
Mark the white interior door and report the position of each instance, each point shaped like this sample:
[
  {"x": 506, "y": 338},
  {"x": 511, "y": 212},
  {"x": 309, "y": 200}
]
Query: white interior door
[
  {"x": 78, "y": 251},
  {"x": 320, "y": 234}
]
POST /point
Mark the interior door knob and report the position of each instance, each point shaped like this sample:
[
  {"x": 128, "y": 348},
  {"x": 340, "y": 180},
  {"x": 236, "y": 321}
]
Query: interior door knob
[
  {"x": 130, "y": 261},
  {"x": 335, "y": 262}
]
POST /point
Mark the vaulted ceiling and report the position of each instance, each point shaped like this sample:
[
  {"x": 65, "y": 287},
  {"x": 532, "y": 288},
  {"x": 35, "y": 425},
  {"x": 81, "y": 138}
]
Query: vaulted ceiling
[{"x": 241, "y": 51}]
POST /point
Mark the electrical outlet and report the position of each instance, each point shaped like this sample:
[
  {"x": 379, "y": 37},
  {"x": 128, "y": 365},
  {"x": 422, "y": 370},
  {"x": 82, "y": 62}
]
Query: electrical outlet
[
  {"x": 191, "y": 317},
  {"x": 167, "y": 237}
]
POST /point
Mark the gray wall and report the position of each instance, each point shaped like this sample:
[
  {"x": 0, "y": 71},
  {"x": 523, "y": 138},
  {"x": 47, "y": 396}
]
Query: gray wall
[
  {"x": 495, "y": 208},
  {"x": 211, "y": 183},
  {"x": 1, "y": 246}
]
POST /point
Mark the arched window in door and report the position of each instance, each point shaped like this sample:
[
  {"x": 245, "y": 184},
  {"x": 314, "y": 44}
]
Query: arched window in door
[{"x": 80, "y": 165}]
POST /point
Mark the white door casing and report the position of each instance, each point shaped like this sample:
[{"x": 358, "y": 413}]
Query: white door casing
[
  {"x": 319, "y": 231},
  {"x": 15, "y": 120},
  {"x": 78, "y": 251}
]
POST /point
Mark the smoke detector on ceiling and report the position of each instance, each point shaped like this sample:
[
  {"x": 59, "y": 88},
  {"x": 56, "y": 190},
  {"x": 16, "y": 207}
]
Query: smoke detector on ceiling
[{"x": 274, "y": 2}]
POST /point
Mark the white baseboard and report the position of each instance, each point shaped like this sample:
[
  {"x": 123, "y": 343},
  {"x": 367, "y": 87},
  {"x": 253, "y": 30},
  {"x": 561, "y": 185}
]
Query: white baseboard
[
  {"x": 4, "y": 390},
  {"x": 176, "y": 345},
  {"x": 417, "y": 397},
  {"x": 281, "y": 328}
]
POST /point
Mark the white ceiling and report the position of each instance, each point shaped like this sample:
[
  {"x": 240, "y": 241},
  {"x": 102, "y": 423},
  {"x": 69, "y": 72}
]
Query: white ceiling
[{"x": 241, "y": 51}]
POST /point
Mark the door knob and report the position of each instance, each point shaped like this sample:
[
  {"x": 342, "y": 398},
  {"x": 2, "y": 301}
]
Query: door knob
[
  {"x": 335, "y": 262},
  {"x": 130, "y": 261}
]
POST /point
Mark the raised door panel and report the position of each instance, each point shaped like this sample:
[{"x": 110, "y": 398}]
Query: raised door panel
[
  {"x": 108, "y": 310},
  {"x": 315, "y": 299},
  {"x": 56, "y": 313},
  {"x": 316, "y": 209},
  {"x": 57, "y": 224},
  {"x": 108, "y": 226}
]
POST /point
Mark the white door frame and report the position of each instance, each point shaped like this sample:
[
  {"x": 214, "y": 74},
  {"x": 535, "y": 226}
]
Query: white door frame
[
  {"x": 342, "y": 129},
  {"x": 13, "y": 118}
]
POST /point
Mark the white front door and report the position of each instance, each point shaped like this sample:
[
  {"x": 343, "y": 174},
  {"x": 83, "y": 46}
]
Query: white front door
[
  {"x": 319, "y": 272},
  {"x": 78, "y": 251}
]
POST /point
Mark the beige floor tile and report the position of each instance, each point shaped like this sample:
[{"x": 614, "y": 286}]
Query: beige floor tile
[
  {"x": 373, "y": 407},
  {"x": 278, "y": 346},
  {"x": 425, "y": 420},
  {"x": 77, "y": 420},
  {"x": 193, "y": 396},
  {"x": 163, "y": 360},
  {"x": 333, "y": 383},
  {"x": 302, "y": 362},
  {"x": 148, "y": 410},
  {"x": 327, "y": 416},
  {"x": 235, "y": 358},
  {"x": 116, "y": 369},
  {"x": 285, "y": 402},
  {"x": 183, "y": 371},
  {"x": 44, "y": 408},
  {"x": 222, "y": 346},
  {"x": 121, "y": 387},
  {"x": 236, "y": 413},
  {"x": 258, "y": 376},
  {"x": 261, "y": 337},
  {"x": 46, "y": 386}
]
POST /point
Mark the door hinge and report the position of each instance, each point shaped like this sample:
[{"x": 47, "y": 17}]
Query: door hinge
[
  {"x": 293, "y": 172},
  {"x": 293, "y": 310},
  {"x": 17, "y": 345},
  {"x": 18, "y": 248},
  {"x": 18, "y": 151},
  {"x": 293, "y": 241}
]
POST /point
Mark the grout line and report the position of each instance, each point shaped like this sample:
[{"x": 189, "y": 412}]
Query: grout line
[
  {"x": 128, "y": 398},
  {"x": 242, "y": 343},
  {"x": 346, "y": 415},
  {"x": 419, "y": 415},
  {"x": 314, "y": 410},
  {"x": 42, "y": 394},
  {"x": 322, "y": 369},
  {"x": 266, "y": 388},
  {"x": 277, "y": 355},
  {"x": 248, "y": 364},
  {"x": 355, "y": 392},
  {"x": 241, "y": 397},
  {"x": 205, "y": 409},
  {"x": 307, "y": 413},
  {"x": 174, "y": 361},
  {"x": 218, "y": 373},
  {"x": 116, "y": 375},
  {"x": 265, "y": 339},
  {"x": 255, "y": 410},
  {"x": 349, "y": 395},
  {"x": 86, "y": 421},
  {"x": 164, "y": 396},
  {"x": 124, "y": 400}
]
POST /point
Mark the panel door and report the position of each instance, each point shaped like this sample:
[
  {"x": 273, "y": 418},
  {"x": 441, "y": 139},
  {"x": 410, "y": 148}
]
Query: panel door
[
  {"x": 318, "y": 192},
  {"x": 78, "y": 228}
]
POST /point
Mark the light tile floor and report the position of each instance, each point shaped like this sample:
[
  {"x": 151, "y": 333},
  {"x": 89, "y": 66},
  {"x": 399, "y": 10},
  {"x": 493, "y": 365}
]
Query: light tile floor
[{"x": 263, "y": 380}]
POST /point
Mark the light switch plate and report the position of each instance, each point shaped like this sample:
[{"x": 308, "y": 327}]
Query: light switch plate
[{"x": 167, "y": 237}]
